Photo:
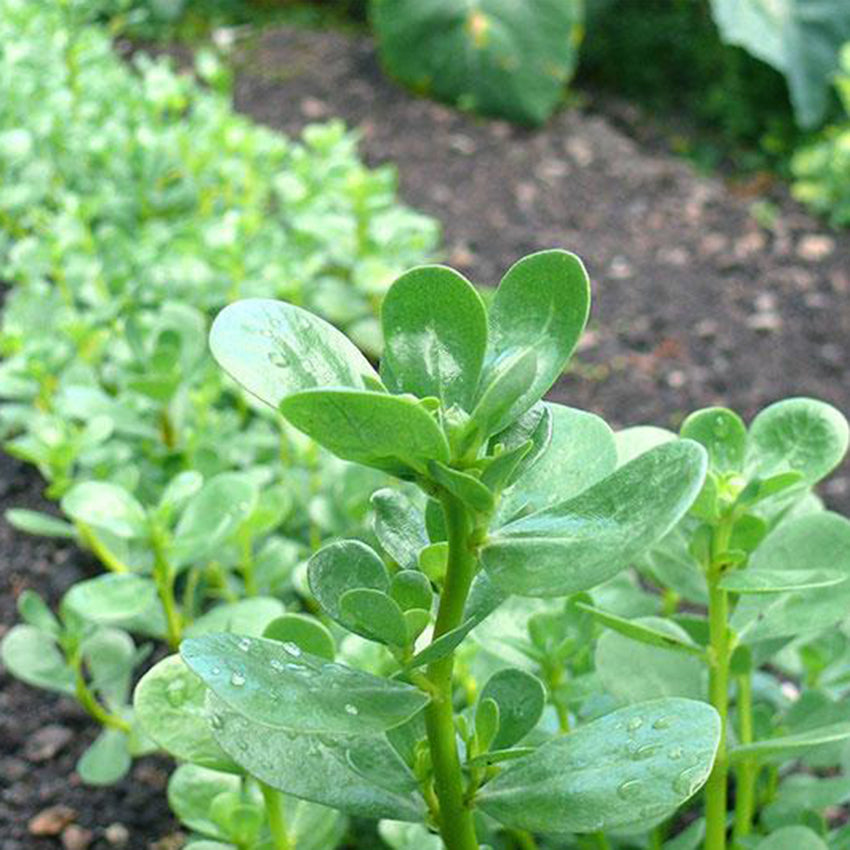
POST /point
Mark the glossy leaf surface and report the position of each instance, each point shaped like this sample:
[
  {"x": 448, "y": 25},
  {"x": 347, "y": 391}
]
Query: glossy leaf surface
[
  {"x": 541, "y": 305},
  {"x": 169, "y": 702},
  {"x": 435, "y": 336},
  {"x": 275, "y": 349},
  {"x": 630, "y": 767},
  {"x": 359, "y": 775},
  {"x": 279, "y": 685},
  {"x": 578, "y": 544},
  {"x": 392, "y": 433}
]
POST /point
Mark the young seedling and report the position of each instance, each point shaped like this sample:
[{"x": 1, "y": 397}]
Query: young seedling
[
  {"x": 514, "y": 507},
  {"x": 91, "y": 662}
]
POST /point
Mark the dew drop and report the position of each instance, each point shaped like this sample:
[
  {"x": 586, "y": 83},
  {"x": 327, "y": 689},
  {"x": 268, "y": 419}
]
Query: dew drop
[
  {"x": 719, "y": 426},
  {"x": 237, "y": 680},
  {"x": 645, "y": 752},
  {"x": 176, "y": 692},
  {"x": 217, "y": 722},
  {"x": 244, "y": 644},
  {"x": 687, "y": 782},
  {"x": 676, "y": 753},
  {"x": 662, "y": 723},
  {"x": 628, "y": 789},
  {"x": 634, "y": 724},
  {"x": 351, "y": 709},
  {"x": 292, "y": 648},
  {"x": 277, "y": 359},
  {"x": 276, "y": 665},
  {"x": 216, "y": 671},
  {"x": 242, "y": 744}
]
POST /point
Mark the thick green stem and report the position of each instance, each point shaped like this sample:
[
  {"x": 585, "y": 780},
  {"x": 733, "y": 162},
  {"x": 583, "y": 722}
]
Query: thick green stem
[
  {"x": 747, "y": 772},
  {"x": 455, "y": 816},
  {"x": 277, "y": 818},
  {"x": 719, "y": 657}
]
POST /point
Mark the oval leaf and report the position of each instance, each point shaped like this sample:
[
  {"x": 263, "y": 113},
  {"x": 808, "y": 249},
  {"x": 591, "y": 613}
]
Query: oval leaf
[
  {"x": 339, "y": 567},
  {"x": 520, "y": 698},
  {"x": 362, "y": 776},
  {"x": 435, "y": 335},
  {"x": 797, "y": 435},
  {"x": 635, "y": 765},
  {"x": 578, "y": 544},
  {"x": 280, "y": 685},
  {"x": 274, "y": 349},
  {"x": 541, "y": 305},
  {"x": 723, "y": 434},
  {"x": 391, "y": 433},
  {"x": 169, "y": 703},
  {"x": 400, "y": 527},
  {"x": 107, "y": 506}
]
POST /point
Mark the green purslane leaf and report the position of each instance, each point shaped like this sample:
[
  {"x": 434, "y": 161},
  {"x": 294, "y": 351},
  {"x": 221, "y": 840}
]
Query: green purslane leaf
[
  {"x": 392, "y": 433},
  {"x": 789, "y": 746},
  {"x": 281, "y": 686},
  {"x": 112, "y": 599},
  {"x": 400, "y": 527},
  {"x": 32, "y": 656},
  {"x": 246, "y": 617},
  {"x": 191, "y": 792},
  {"x": 274, "y": 349},
  {"x": 584, "y": 541},
  {"x": 107, "y": 760},
  {"x": 541, "y": 305},
  {"x": 35, "y": 522},
  {"x": 361, "y": 775},
  {"x": 817, "y": 543},
  {"x": 169, "y": 703},
  {"x": 374, "y": 615},
  {"x": 629, "y": 768},
  {"x": 792, "y": 838},
  {"x": 339, "y": 567},
  {"x": 723, "y": 434},
  {"x": 635, "y": 441},
  {"x": 106, "y": 506},
  {"x": 305, "y": 632},
  {"x": 674, "y": 669},
  {"x": 797, "y": 435},
  {"x": 435, "y": 336},
  {"x": 520, "y": 698},
  {"x": 757, "y": 581},
  {"x": 580, "y": 452}
]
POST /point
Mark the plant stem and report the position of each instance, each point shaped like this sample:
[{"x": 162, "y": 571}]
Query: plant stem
[
  {"x": 455, "y": 817},
  {"x": 90, "y": 702},
  {"x": 719, "y": 656},
  {"x": 164, "y": 577},
  {"x": 747, "y": 771},
  {"x": 89, "y": 538},
  {"x": 277, "y": 818}
]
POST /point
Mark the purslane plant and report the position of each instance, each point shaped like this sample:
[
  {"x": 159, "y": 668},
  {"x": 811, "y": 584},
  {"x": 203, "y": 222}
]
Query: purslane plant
[{"x": 514, "y": 507}]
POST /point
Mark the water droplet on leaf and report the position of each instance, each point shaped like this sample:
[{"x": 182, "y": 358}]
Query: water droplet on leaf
[
  {"x": 237, "y": 680},
  {"x": 176, "y": 692},
  {"x": 292, "y": 648},
  {"x": 351, "y": 709},
  {"x": 662, "y": 723},
  {"x": 628, "y": 789},
  {"x": 634, "y": 724}
]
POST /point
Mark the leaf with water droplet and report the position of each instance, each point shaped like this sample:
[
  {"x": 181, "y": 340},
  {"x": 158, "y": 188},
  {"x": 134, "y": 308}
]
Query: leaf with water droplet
[
  {"x": 590, "y": 779},
  {"x": 361, "y": 775},
  {"x": 169, "y": 703},
  {"x": 312, "y": 695},
  {"x": 305, "y": 632},
  {"x": 520, "y": 697},
  {"x": 723, "y": 434},
  {"x": 275, "y": 349}
]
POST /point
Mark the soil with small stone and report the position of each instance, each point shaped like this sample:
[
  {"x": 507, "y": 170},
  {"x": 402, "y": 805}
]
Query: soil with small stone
[{"x": 697, "y": 301}]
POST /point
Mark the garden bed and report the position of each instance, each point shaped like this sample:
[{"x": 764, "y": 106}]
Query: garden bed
[{"x": 696, "y": 303}]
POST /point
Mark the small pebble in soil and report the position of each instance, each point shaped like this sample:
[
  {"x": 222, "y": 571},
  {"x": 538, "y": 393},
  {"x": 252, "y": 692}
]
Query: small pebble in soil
[
  {"x": 51, "y": 821},
  {"x": 116, "y": 835},
  {"x": 815, "y": 247},
  {"x": 76, "y": 837},
  {"x": 47, "y": 742}
]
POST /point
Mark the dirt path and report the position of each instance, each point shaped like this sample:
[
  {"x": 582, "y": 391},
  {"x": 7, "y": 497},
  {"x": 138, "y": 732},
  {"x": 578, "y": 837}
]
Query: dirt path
[{"x": 694, "y": 302}]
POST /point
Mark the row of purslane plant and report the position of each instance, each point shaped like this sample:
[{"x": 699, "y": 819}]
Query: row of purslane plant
[
  {"x": 133, "y": 204},
  {"x": 496, "y": 673}
]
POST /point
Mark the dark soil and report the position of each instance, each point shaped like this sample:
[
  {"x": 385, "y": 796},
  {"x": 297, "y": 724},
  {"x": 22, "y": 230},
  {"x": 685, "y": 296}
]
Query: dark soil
[{"x": 696, "y": 303}]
